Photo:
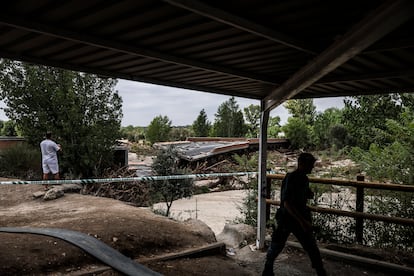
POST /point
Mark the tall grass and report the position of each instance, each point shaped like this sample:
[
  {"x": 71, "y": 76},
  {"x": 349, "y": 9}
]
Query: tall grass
[{"x": 21, "y": 161}]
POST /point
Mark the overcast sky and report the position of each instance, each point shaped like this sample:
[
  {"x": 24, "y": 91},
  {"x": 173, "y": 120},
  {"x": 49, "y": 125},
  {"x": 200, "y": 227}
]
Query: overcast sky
[{"x": 142, "y": 102}]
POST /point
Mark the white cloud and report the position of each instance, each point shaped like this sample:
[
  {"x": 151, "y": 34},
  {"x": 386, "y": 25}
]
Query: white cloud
[{"x": 142, "y": 102}]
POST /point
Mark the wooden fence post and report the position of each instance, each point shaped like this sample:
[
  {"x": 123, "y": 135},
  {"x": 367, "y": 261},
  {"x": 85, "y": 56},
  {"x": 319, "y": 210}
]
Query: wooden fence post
[{"x": 359, "y": 225}]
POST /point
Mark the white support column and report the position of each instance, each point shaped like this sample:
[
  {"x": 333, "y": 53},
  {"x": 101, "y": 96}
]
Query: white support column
[{"x": 261, "y": 207}]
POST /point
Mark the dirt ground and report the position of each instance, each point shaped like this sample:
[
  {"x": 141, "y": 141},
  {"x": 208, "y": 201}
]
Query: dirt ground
[{"x": 136, "y": 232}]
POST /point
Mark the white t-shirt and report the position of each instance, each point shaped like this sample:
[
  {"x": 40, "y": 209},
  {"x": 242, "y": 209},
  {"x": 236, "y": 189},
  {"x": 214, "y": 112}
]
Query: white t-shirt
[{"x": 49, "y": 149}]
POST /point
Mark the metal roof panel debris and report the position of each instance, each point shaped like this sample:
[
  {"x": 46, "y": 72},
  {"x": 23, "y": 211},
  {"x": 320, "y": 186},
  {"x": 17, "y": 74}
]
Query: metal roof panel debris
[{"x": 198, "y": 148}]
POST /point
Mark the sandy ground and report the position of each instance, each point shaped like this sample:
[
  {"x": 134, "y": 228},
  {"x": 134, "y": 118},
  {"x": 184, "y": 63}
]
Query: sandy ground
[
  {"x": 135, "y": 232},
  {"x": 214, "y": 209}
]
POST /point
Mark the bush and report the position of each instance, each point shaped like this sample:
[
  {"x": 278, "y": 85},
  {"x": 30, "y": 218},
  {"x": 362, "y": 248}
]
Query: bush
[
  {"x": 166, "y": 163},
  {"x": 21, "y": 161}
]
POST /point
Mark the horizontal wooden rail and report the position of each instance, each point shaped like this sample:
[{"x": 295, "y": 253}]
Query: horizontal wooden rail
[
  {"x": 402, "y": 221},
  {"x": 353, "y": 183},
  {"x": 358, "y": 214}
]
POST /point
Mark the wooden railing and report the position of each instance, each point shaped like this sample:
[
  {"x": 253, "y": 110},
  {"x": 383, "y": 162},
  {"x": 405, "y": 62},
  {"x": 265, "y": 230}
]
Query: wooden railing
[{"x": 359, "y": 214}]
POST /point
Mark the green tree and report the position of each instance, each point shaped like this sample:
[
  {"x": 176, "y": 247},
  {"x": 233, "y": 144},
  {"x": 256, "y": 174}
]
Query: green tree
[
  {"x": 167, "y": 163},
  {"x": 229, "y": 121},
  {"x": 133, "y": 134},
  {"x": 159, "y": 129},
  {"x": 248, "y": 209},
  {"x": 365, "y": 116},
  {"x": 82, "y": 110},
  {"x": 252, "y": 116},
  {"x": 21, "y": 161},
  {"x": 322, "y": 128},
  {"x": 180, "y": 133},
  {"x": 298, "y": 133},
  {"x": 395, "y": 160},
  {"x": 9, "y": 128},
  {"x": 274, "y": 127},
  {"x": 340, "y": 137},
  {"x": 201, "y": 126},
  {"x": 303, "y": 109}
]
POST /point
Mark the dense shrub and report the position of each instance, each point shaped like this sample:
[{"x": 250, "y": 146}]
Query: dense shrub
[{"x": 21, "y": 161}]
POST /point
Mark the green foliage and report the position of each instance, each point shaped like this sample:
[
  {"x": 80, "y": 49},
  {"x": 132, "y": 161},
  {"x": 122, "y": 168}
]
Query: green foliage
[
  {"x": 9, "y": 128},
  {"x": 166, "y": 163},
  {"x": 252, "y": 116},
  {"x": 299, "y": 128},
  {"x": 143, "y": 149},
  {"x": 393, "y": 161},
  {"x": 274, "y": 127},
  {"x": 201, "y": 126},
  {"x": 298, "y": 133},
  {"x": 133, "y": 134},
  {"x": 387, "y": 235},
  {"x": 330, "y": 228},
  {"x": 339, "y": 136},
  {"x": 180, "y": 133},
  {"x": 21, "y": 161},
  {"x": 229, "y": 121},
  {"x": 365, "y": 116},
  {"x": 159, "y": 129},
  {"x": 325, "y": 126},
  {"x": 303, "y": 109},
  {"x": 82, "y": 111},
  {"x": 248, "y": 209},
  {"x": 384, "y": 163}
]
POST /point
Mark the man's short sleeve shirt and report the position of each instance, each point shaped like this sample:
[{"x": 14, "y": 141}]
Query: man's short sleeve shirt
[
  {"x": 49, "y": 149},
  {"x": 295, "y": 189}
]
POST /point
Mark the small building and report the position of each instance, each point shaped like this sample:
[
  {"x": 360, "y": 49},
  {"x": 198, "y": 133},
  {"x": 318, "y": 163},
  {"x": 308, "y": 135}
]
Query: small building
[
  {"x": 10, "y": 141},
  {"x": 121, "y": 151}
]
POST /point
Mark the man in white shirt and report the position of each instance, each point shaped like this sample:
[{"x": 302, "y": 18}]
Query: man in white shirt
[{"x": 49, "y": 157}]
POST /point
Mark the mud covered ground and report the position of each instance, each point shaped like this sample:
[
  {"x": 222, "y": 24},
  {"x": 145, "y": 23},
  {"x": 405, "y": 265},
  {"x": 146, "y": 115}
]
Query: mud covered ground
[{"x": 136, "y": 232}]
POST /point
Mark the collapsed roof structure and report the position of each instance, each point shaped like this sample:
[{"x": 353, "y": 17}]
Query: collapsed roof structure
[{"x": 202, "y": 148}]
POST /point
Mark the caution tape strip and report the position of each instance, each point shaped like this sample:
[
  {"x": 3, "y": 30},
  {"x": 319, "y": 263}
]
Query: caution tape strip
[{"x": 125, "y": 179}]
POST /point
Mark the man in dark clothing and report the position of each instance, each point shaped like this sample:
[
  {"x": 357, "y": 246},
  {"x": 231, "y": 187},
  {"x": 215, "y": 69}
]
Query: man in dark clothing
[{"x": 294, "y": 216}]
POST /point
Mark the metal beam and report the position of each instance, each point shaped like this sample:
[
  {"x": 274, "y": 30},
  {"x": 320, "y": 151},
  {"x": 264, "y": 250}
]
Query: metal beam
[
  {"x": 112, "y": 74},
  {"x": 367, "y": 77},
  {"x": 262, "y": 181},
  {"x": 356, "y": 92},
  {"x": 390, "y": 45},
  {"x": 240, "y": 23},
  {"x": 49, "y": 30},
  {"x": 382, "y": 21}
]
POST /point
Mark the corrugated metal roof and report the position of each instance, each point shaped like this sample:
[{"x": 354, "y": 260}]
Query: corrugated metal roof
[
  {"x": 267, "y": 50},
  {"x": 201, "y": 148}
]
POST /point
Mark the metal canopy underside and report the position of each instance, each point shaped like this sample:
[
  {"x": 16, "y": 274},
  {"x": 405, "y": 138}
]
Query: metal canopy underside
[{"x": 266, "y": 50}]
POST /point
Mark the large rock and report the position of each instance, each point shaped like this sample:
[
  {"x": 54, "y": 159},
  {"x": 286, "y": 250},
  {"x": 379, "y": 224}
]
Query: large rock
[
  {"x": 57, "y": 191},
  {"x": 39, "y": 194},
  {"x": 54, "y": 193},
  {"x": 237, "y": 235},
  {"x": 201, "y": 229}
]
